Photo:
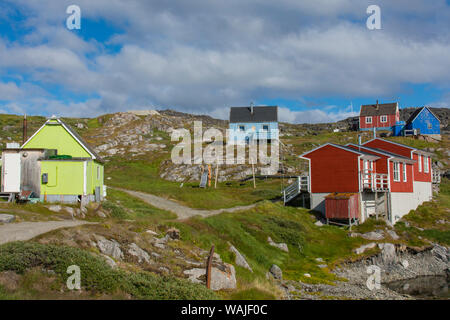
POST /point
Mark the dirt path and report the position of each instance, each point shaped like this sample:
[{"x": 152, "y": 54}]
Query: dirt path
[
  {"x": 23, "y": 231},
  {"x": 180, "y": 210}
]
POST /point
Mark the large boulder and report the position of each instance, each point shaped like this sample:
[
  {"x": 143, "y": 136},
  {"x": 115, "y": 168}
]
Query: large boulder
[
  {"x": 140, "y": 254},
  {"x": 276, "y": 272},
  {"x": 441, "y": 253},
  {"x": 55, "y": 208},
  {"x": 393, "y": 234},
  {"x": 388, "y": 254},
  {"x": 373, "y": 236},
  {"x": 110, "y": 248},
  {"x": 240, "y": 259},
  {"x": 173, "y": 233},
  {"x": 7, "y": 218},
  {"x": 365, "y": 247},
  {"x": 281, "y": 246},
  {"x": 223, "y": 276}
]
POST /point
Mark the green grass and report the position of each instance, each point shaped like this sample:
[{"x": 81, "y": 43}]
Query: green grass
[
  {"x": 248, "y": 232},
  {"x": 96, "y": 276},
  {"x": 143, "y": 176},
  {"x": 5, "y": 295},
  {"x": 123, "y": 206},
  {"x": 252, "y": 294}
]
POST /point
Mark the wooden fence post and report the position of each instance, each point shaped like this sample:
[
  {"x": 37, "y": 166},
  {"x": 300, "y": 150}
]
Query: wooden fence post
[{"x": 208, "y": 267}]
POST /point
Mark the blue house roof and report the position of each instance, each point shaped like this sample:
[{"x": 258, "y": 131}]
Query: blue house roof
[
  {"x": 416, "y": 113},
  {"x": 425, "y": 121}
]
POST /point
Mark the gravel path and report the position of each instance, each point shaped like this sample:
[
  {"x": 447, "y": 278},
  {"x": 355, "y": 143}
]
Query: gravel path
[
  {"x": 23, "y": 231},
  {"x": 180, "y": 210}
]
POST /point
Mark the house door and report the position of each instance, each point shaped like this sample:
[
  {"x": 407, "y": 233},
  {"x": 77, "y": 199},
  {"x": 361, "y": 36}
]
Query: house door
[{"x": 11, "y": 172}]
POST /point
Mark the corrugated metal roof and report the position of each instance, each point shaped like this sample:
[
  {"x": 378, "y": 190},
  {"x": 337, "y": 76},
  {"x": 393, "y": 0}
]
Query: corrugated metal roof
[
  {"x": 378, "y": 110},
  {"x": 260, "y": 114}
]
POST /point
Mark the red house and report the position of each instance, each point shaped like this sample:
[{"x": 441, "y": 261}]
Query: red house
[
  {"x": 382, "y": 175},
  {"x": 380, "y": 116}
]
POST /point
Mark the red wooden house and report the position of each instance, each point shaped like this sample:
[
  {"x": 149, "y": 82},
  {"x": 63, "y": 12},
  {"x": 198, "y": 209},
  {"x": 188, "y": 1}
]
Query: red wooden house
[
  {"x": 380, "y": 174},
  {"x": 380, "y": 116}
]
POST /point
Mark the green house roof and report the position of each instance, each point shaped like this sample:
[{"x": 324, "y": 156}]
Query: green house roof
[{"x": 56, "y": 134}]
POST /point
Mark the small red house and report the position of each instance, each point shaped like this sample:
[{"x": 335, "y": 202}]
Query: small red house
[
  {"x": 382, "y": 174},
  {"x": 380, "y": 116}
]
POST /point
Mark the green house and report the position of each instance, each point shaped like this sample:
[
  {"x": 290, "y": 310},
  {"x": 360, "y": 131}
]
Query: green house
[{"x": 73, "y": 172}]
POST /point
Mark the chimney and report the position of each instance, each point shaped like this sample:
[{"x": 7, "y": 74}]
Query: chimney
[
  {"x": 24, "y": 129},
  {"x": 377, "y": 105},
  {"x": 251, "y": 108}
]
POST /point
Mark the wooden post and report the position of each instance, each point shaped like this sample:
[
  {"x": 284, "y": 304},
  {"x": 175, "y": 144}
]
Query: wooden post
[
  {"x": 208, "y": 267},
  {"x": 253, "y": 171},
  {"x": 217, "y": 174},
  {"x": 209, "y": 175},
  {"x": 376, "y": 205}
]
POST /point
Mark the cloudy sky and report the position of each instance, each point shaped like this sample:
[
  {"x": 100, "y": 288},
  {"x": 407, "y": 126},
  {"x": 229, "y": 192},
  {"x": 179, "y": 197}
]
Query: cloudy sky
[{"x": 316, "y": 59}]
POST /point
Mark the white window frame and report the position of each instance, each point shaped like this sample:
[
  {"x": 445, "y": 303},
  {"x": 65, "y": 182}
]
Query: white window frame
[
  {"x": 420, "y": 162},
  {"x": 241, "y": 128},
  {"x": 265, "y": 125},
  {"x": 426, "y": 167},
  {"x": 384, "y": 119},
  {"x": 396, "y": 171},
  {"x": 369, "y": 119},
  {"x": 405, "y": 176}
]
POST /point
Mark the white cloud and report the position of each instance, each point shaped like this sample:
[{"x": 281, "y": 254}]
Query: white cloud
[
  {"x": 313, "y": 116},
  {"x": 9, "y": 91},
  {"x": 204, "y": 56}
]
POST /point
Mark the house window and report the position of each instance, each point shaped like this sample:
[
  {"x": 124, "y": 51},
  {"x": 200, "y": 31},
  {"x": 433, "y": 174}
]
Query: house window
[
  {"x": 425, "y": 165},
  {"x": 404, "y": 172},
  {"x": 383, "y": 118},
  {"x": 396, "y": 171},
  {"x": 368, "y": 119},
  {"x": 429, "y": 125},
  {"x": 265, "y": 127},
  {"x": 98, "y": 173},
  {"x": 241, "y": 128},
  {"x": 420, "y": 162}
]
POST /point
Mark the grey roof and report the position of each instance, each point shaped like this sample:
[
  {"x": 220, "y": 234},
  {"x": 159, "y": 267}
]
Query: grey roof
[
  {"x": 260, "y": 114},
  {"x": 378, "y": 110}
]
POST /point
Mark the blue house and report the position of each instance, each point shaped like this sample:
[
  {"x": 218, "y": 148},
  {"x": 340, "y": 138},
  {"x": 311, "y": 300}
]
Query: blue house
[
  {"x": 424, "y": 122},
  {"x": 253, "y": 123}
]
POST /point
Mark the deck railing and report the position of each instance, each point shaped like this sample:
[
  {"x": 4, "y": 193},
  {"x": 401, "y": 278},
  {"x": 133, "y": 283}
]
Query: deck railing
[
  {"x": 300, "y": 185},
  {"x": 374, "y": 181},
  {"x": 436, "y": 176}
]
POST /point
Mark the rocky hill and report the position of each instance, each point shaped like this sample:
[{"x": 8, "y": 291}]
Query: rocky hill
[{"x": 146, "y": 136}]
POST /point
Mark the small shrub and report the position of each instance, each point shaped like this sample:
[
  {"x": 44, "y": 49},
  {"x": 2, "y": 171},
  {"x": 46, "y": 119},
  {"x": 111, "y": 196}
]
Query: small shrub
[{"x": 96, "y": 275}]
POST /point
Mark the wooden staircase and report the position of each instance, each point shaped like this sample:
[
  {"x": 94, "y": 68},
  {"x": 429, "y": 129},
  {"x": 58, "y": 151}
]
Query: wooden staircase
[{"x": 300, "y": 185}]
